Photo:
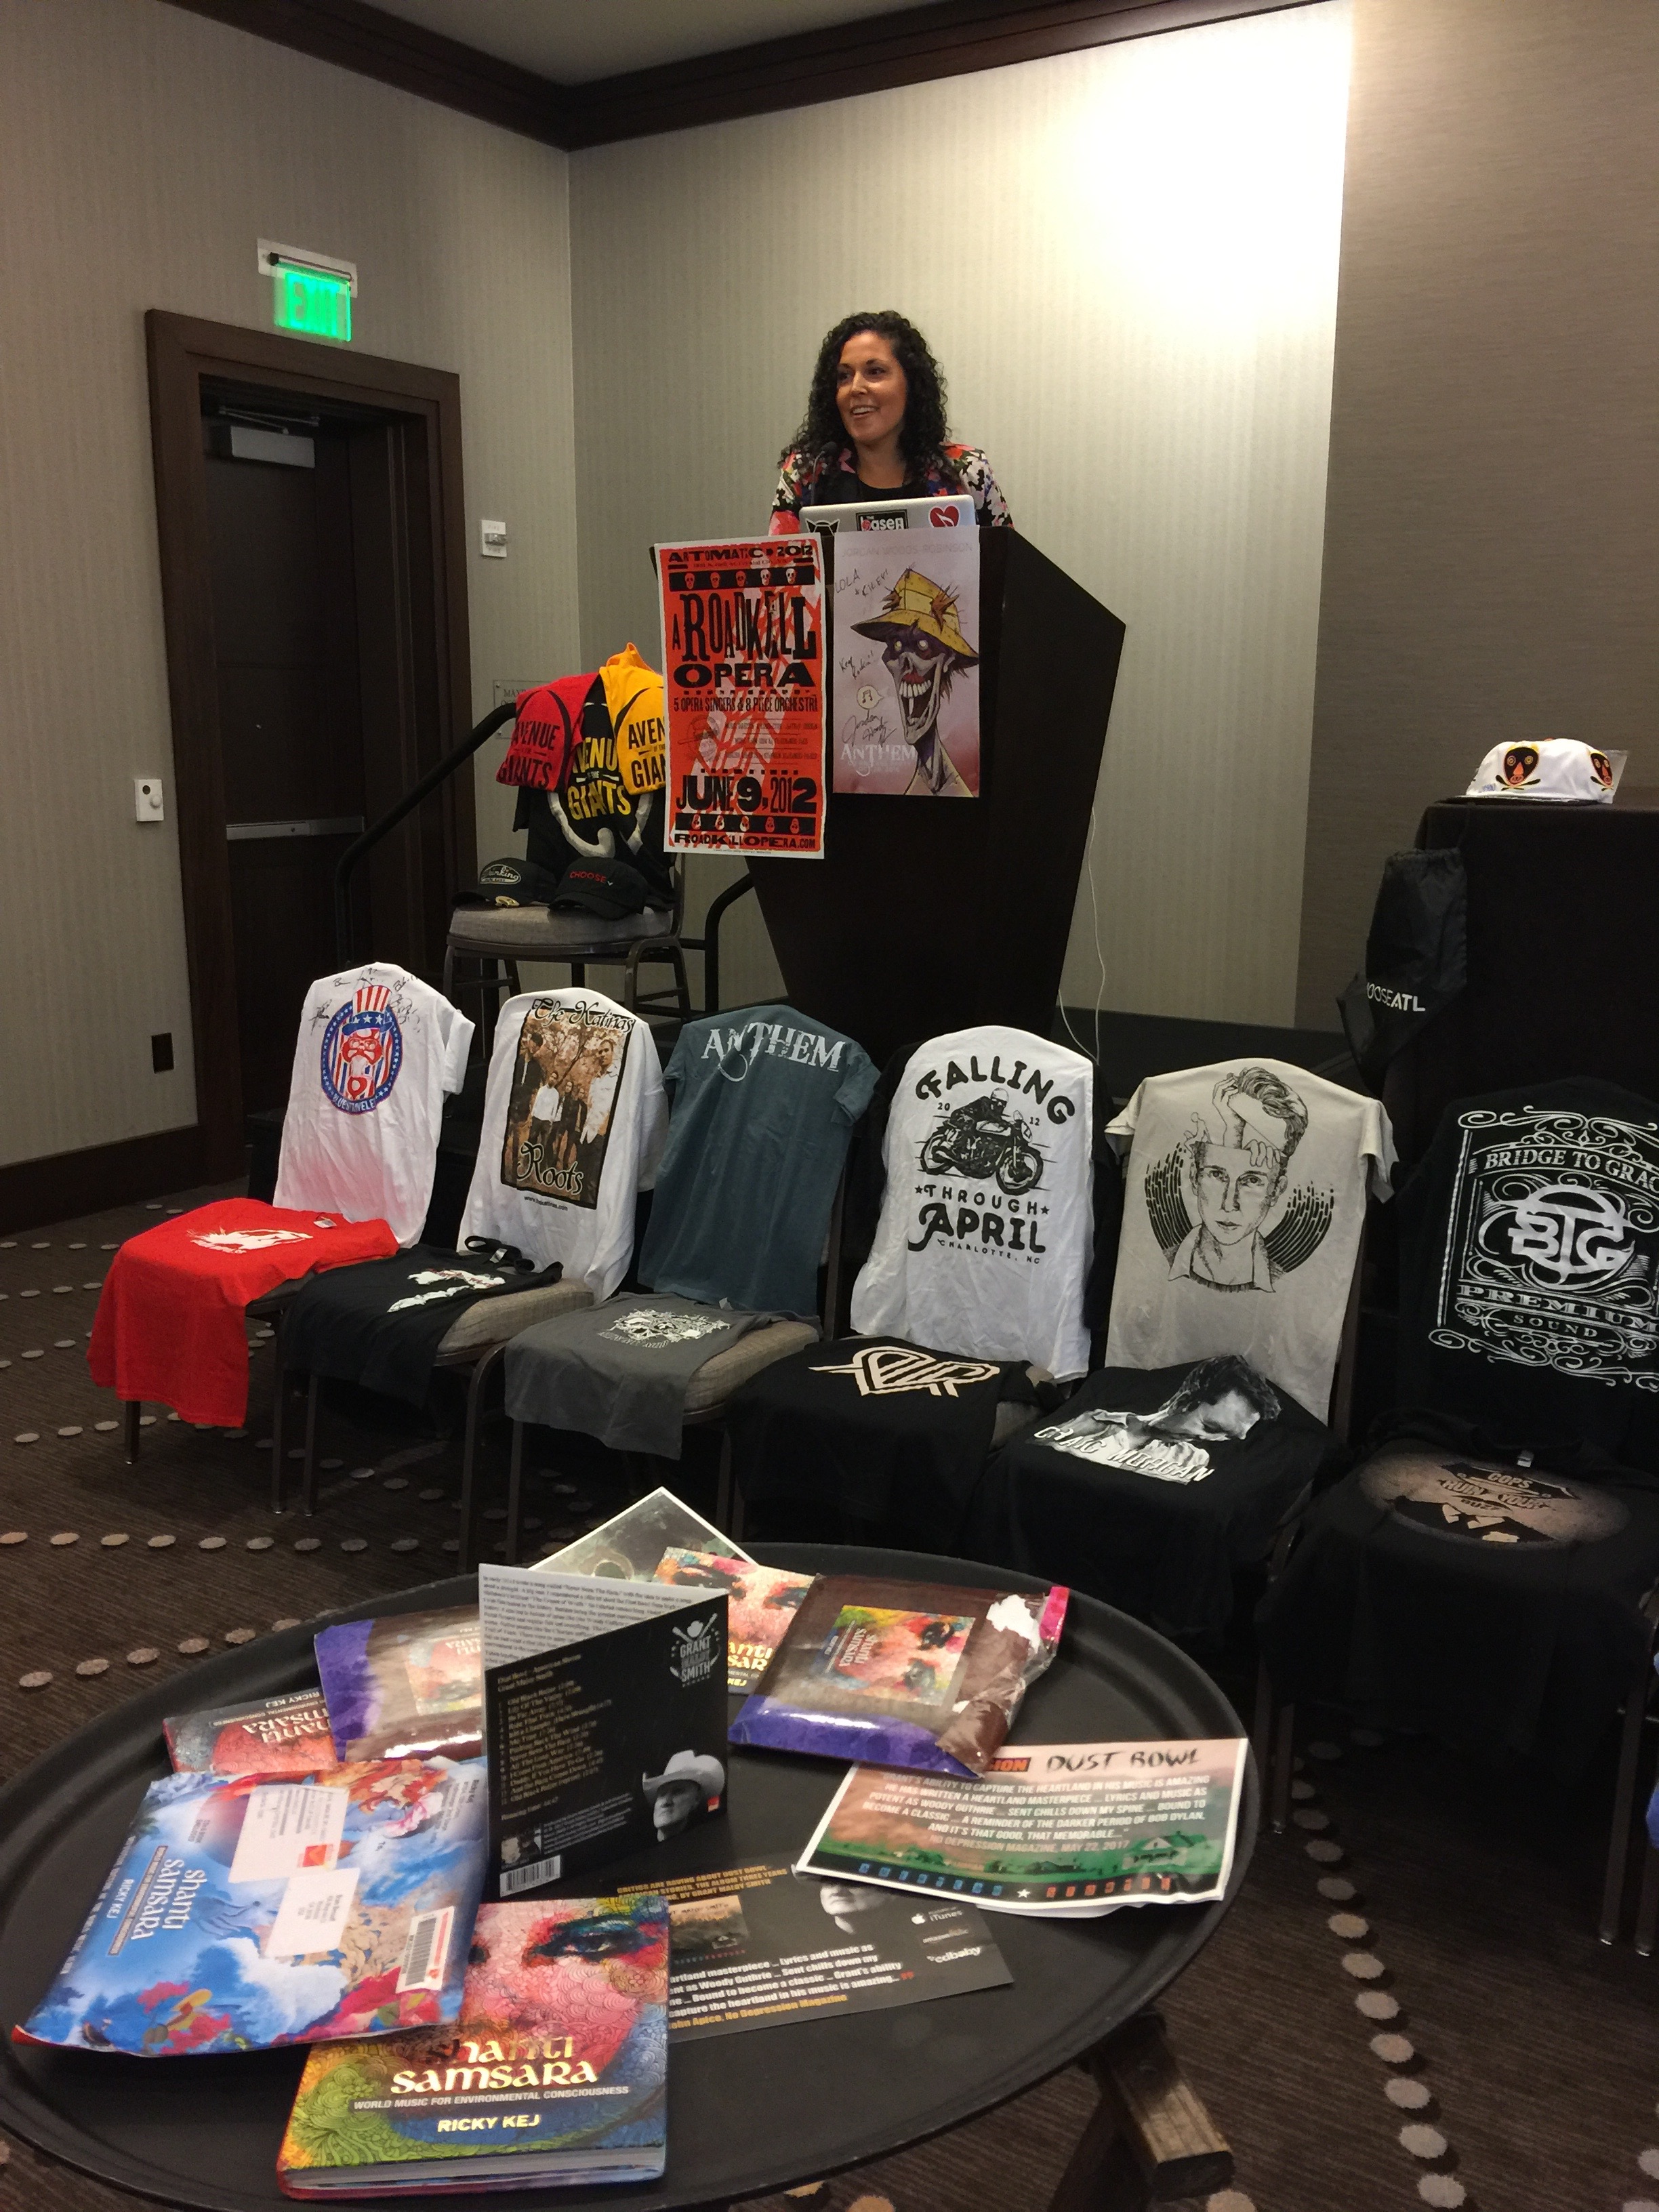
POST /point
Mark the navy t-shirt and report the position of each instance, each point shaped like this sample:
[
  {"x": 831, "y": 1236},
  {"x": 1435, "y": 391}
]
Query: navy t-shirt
[{"x": 761, "y": 1106}]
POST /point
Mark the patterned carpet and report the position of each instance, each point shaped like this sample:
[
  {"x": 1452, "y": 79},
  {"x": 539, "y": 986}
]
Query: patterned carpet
[{"x": 1408, "y": 2005}]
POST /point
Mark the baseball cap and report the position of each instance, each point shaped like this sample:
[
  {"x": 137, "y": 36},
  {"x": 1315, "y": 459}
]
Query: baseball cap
[
  {"x": 608, "y": 887},
  {"x": 511, "y": 883},
  {"x": 1544, "y": 767}
]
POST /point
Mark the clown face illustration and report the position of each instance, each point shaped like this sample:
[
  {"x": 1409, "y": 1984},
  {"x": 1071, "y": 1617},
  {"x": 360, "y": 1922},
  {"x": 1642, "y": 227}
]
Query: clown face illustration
[{"x": 923, "y": 648}]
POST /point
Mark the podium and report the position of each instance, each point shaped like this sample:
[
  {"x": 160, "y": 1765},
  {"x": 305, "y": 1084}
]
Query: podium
[
  {"x": 931, "y": 914},
  {"x": 1560, "y": 905}
]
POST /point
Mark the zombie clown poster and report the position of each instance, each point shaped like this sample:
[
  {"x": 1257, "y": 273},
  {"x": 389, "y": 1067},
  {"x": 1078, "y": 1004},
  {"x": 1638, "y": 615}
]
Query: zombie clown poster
[
  {"x": 904, "y": 689},
  {"x": 743, "y": 648}
]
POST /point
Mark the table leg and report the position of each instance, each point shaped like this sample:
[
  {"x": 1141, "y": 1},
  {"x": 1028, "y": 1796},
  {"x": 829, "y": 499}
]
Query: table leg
[
  {"x": 1151, "y": 2139},
  {"x": 131, "y": 1409}
]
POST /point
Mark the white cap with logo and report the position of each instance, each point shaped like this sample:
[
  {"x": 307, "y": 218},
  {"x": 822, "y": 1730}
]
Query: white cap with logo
[{"x": 1548, "y": 768}]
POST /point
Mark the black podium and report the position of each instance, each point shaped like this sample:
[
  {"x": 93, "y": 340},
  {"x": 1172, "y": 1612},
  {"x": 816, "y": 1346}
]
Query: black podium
[
  {"x": 1562, "y": 904},
  {"x": 929, "y": 914}
]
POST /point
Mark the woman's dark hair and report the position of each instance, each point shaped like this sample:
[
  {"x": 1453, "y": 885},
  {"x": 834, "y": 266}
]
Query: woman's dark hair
[{"x": 921, "y": 433}]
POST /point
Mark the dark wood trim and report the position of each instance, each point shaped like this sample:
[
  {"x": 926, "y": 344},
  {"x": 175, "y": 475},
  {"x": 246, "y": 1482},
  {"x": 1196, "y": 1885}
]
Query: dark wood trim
[
  {"x": 949, "y": 38},
  {"x": 355, "y": 36},
  {"x": 913, "y": 45},
  {"x": 36, "y": 1193},
  {"x": 183, "y": 351}
]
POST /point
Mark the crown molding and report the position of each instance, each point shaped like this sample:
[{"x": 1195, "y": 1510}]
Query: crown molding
[{"x": 915, "y": 46}]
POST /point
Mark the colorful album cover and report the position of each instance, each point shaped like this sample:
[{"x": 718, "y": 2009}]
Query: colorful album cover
[
  {"x": 762, "y": 1603},
  {"x": 628, "y": 1547},
  {"x": 273, "y": 1735},
  {"x": 556, "y": 2070},
  {"x": 902, "y": 1674},
  {"x": 409, "y": 1686},
  {"x": 563, "y": 1098},
  {"x": 884, "y": 1653},
  {"x": 245, "y": 1912}
]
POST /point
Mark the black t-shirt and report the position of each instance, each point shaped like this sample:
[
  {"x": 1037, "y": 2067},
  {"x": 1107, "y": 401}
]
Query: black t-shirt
[
  {"x": 380, "y": 1324},
  {"x": 1529, "y": 1268},
  {"x": 1442, "y": 1586},
  {"x": 873, "y": 1430},
  {"x": 1150, "y": 1486}
]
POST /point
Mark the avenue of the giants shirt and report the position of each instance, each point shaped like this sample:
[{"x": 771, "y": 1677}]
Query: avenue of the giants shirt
[
  {"x": 985, "y": 1228},
  {"x": 1243, "y": 1199}
]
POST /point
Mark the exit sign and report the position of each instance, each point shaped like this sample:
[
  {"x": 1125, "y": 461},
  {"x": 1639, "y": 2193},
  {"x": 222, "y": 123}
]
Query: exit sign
[{"x": 310, "y": 293}]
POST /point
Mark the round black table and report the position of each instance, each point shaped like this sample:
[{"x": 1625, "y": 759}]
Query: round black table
[{"x": 748, "y": 2114}]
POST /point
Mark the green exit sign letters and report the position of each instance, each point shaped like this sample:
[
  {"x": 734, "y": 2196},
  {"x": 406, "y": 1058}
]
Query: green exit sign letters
[{"x": 310, "y": 293}]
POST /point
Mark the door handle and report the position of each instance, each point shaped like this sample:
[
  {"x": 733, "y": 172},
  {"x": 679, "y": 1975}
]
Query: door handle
[{"x": 334, "y": 825}]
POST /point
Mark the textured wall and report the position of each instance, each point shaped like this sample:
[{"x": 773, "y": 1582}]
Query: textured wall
[
  {"x": 1126, "y": 261},
  {"x": 1492, "y": 536},
  {"x": 142, "y": 152}
]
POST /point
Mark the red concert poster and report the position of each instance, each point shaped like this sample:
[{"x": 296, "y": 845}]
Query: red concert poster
[{"x": 742, "y": 653}]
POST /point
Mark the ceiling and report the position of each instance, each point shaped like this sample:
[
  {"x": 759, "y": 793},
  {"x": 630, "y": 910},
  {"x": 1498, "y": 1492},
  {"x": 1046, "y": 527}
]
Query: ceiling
[{"x": 573, "y": 41}]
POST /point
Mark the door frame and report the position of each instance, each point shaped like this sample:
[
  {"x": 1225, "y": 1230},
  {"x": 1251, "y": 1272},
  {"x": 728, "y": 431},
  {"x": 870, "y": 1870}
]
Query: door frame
[{"x": 184, "y": 350}]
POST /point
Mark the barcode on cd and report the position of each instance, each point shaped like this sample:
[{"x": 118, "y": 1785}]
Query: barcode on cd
[
  {"x": 514, "y": 1878},
  {"x": 427, "y": 1951}
]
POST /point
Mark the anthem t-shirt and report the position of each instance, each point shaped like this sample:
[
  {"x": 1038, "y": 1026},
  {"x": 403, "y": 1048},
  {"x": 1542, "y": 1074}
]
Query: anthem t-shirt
[
  {"x": 1445, "y": 1587},
  {"x": 574, "y": 1122},
  {"x": 1151, "y": 1488},
  {"x": 1243, "y": 1200},
  {"x": 763, "y": 1106},
  {"x": 377, "y": 1049},
  {"x": 1529, "y": 1267},
  {"x": 986, "y": 1230},
  {"x": 169, "y": 1324}
]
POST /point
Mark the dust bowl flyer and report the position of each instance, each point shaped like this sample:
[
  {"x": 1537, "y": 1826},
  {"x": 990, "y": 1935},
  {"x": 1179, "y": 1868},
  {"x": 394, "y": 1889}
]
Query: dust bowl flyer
[{"x": 743, "y": 649}]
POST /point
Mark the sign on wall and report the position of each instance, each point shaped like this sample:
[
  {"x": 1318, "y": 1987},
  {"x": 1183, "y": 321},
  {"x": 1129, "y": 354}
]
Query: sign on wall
[{"x": 743, "y": 663}]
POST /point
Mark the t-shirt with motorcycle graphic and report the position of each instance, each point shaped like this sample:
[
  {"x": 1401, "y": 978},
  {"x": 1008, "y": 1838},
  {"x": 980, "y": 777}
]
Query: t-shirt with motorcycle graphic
[
  {"x": 378, "y": 1050},
  {"x": 1243, "y": 1200},
  {"x": 1529, "y": 1265},
  {"x": 575, "y": 1118},
  {"x": 985, "y": 1228}
]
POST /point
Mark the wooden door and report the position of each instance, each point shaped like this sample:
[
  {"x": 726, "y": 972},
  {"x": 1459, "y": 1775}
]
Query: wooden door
[{"x": 290, "y": 725}]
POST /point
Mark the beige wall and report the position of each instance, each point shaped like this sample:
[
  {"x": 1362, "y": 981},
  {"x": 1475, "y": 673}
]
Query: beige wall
[
  {"x": 1126, "y": 261},
  {"x": 144, "y": 151},
  {"x": 1491, "y": 565}
]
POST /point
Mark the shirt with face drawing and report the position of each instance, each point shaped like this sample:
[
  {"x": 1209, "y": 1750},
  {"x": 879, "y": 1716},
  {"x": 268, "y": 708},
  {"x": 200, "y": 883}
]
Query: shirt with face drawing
[{"x": 1244, "y": 1196}]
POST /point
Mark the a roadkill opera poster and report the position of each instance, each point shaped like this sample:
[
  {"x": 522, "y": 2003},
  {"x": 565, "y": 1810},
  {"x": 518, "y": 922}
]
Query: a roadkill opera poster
[
  {"x": 743, "y": 646},
  {"x": 905, "y": 692}
]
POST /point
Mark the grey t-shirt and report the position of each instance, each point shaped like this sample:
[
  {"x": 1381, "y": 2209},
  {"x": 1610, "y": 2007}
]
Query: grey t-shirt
[
  {"x": 762, "y": 1105},
  {"x": 619, "y": 1371}
]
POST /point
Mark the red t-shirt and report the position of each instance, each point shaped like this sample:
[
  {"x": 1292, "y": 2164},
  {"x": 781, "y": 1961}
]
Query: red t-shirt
[
  {"x": 169, "y": 1323},
  {"x": 547, "y": 732}
]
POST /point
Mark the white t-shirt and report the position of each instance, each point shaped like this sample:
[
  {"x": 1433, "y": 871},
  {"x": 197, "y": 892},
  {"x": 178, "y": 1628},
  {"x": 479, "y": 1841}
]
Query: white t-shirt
[
  {"x": 574, "y": 1119},
  {"x": 1244, "y": 1199},
  {"x": 377, "y": 1050},
  {"x": 987, "y": 1224}
]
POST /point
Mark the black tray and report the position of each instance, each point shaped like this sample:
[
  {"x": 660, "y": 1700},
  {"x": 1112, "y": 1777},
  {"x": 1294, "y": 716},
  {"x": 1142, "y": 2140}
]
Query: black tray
[{"x": 748, "y": 2114}]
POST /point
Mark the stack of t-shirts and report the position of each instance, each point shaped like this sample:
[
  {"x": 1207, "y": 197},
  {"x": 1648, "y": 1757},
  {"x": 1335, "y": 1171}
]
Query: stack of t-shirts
[
  {"x": 1446, "y": 1587},
  {"x": 381, "y": 1325},
  {"x": 1151, "y": 1488},
  {"x": 619, "y": 1371},
  {"x": 169, "y": 1325},
  {"x": 876, "y": 1431}
]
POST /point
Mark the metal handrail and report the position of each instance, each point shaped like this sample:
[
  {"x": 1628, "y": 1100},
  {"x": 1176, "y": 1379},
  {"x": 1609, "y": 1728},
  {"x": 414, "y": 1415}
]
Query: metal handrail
[{"x": 429, "y": 783}]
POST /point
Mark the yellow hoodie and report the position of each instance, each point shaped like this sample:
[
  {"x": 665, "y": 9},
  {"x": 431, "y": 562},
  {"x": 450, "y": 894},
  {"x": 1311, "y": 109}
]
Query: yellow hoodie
[{"x": 634, "y": 696}]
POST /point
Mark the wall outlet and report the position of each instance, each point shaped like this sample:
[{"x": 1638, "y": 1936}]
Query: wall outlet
[
  {"x": 147, "y": 805},
  {"x": 492, "y": 540}
]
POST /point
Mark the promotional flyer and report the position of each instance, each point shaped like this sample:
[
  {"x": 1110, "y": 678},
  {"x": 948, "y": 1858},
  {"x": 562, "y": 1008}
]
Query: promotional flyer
[{"x": 742, "y": 653}]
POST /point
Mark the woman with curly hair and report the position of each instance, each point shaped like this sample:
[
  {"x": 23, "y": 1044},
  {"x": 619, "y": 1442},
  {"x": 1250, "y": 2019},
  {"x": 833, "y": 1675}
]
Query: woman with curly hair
[{"x": 875, "y": 428}]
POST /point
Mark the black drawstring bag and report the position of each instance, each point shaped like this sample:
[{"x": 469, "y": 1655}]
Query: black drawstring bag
[{"x": 1416, "y": 956}]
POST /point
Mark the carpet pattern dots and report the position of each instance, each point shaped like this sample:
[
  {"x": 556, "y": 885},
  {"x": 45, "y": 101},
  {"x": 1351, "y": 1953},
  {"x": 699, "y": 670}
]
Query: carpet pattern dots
[{"x": 1407, "y": 2007}]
